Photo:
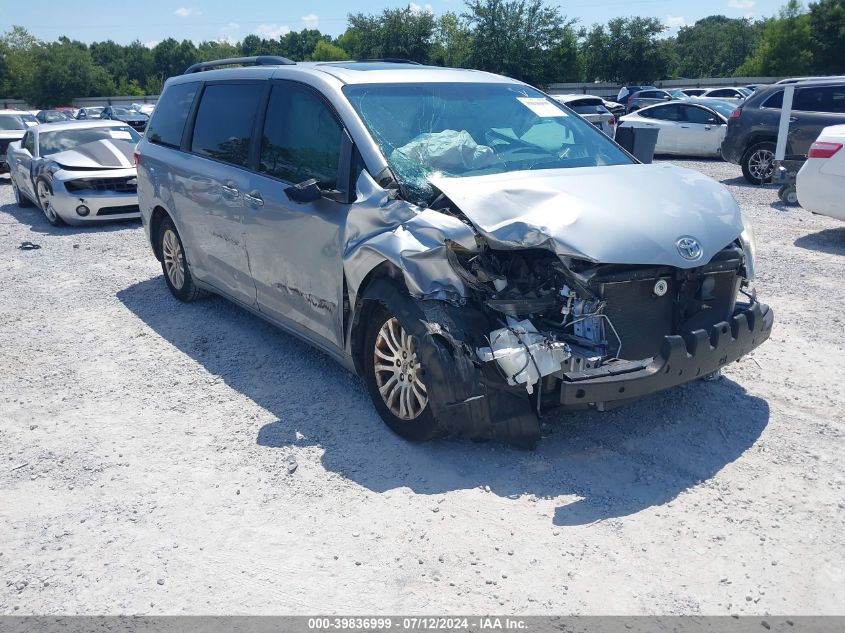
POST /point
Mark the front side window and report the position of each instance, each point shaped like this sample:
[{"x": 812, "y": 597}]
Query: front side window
[
  {"x": 29, "y": 142},
  {"x": 700, "y": 116},
  {"x": 302, "y": 137},
  {"x": 663, "y": 113},
  {"x": 171, "y": 113},
  {"x": 775, "y": 101},
  {"x": 225, "y": 119},
  {"x": 469, "y": 129},
  {"x": 820, "y": 99}
]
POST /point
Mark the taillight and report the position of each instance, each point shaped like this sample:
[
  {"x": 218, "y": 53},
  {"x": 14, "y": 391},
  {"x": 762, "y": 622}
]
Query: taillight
[
  {"x": 137, "y": 158},
  {"x": 735, "y": 114},
  {"x": 612, "y": 122},
  {"x": 822, "y": 149}
]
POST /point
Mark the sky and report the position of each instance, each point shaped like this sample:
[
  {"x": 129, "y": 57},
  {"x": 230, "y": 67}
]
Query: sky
[{"x": 151, "y": 21}]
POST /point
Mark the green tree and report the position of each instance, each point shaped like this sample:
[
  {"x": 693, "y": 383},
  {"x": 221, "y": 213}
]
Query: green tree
[
  {"x": 327, "y": 52},
  {"x": 18, "y": 49},
  {"x": 827, "y": 24},
  {"x": 172, "y": 58},
  {"x": 301, "y": 45},
  {"x": 714, "y": 46},
  {"x": 452, "y": 42},
  {"x": 139, "y": 64},
  {"x": 405, "y": 33},
  {"x": 785, "y": 46},
  {"x": 626, "y": 50},
  {"x": 62, "y": 71},
  {"x": 523, "y": 39}
]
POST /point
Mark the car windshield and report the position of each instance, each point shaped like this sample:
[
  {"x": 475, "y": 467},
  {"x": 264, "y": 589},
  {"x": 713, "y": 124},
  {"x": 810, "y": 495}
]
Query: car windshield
[
  {"x": 63, "y": 140},
  {"x": 12, "y": 122},
  {"x": 123, "y": 111},
  {"x": 469, "y": 129}
]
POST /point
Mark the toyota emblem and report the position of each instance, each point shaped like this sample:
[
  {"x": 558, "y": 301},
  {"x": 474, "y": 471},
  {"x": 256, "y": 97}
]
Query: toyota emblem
[{"x": 689, "y": 248}]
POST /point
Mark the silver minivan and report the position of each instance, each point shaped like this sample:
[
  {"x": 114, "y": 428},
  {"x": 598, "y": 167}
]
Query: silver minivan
[{"x": 470, "y": 247}]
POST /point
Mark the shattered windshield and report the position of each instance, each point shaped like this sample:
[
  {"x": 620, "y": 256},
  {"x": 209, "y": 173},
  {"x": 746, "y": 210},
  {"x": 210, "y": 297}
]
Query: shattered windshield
[{"x": 470, "y": 129}]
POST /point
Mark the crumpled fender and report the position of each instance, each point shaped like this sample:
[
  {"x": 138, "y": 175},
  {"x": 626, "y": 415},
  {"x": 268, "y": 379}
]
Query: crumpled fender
[
  {"x": 381, "y": 227},
  {"x": 468, "y": 398}
]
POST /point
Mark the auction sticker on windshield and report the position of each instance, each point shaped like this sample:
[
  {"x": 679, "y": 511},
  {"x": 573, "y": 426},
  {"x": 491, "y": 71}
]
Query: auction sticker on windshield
[
  {"x": 540, "y": 106},
  {"x": 121, "y": 134}
]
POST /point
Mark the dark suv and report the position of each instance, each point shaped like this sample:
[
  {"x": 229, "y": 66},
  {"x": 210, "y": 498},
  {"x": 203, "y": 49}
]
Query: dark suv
[{"x": 753, "y": 127}]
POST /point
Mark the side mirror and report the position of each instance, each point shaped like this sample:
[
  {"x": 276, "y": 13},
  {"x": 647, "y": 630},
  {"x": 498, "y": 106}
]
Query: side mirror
[
  {"x": 15, "y": 145},
  {"x": 305, "y": 192},
  {"x": 667, "y": 97}
]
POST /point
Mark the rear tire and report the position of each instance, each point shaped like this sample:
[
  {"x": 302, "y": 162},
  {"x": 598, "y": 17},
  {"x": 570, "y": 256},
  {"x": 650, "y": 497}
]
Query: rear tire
[
  {"x": 174, "y": 264},
  {"x": 758, "y": 163},
  {"x": 395, "y": 378},
  {"x": 788, "y": 194}
]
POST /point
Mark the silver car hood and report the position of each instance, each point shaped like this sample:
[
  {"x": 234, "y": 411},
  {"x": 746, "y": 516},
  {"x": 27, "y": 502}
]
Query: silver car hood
[
  {"x": 105, "y": 153},
  {"x": 627, "y": 214}
]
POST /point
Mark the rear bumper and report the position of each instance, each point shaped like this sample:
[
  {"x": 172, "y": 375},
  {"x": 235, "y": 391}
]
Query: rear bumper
[{"x": 681, "y": 359}]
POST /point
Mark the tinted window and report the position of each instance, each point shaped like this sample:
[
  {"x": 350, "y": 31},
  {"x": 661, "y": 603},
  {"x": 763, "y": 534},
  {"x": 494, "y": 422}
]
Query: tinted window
[
  {"x": 171, "y": 113},
  {"x": 225, "y": 119},
  {"x": 820, "y": 99},
  {"x": 700, "y": 115},
  {"x": 775, "y": 101},
  {"x": 722, "y": 93},
  {"x": 647, "y": 94},
  {"x": 663, "y": 113},
  {"x": 301, "y": 138}
]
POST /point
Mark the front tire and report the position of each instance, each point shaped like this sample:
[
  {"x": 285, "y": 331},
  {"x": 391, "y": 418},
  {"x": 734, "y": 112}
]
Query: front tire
[
  {"x": 44, "y": 192},
  {"x": 758, "y": 163},
  {"x": 174, "y": 264},
  {"x": 395, "y": 378}
]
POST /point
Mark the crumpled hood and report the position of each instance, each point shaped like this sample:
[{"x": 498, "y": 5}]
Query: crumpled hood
[
  {"x": 105, "y": 153},
  {"x": 627, "y": 214}
]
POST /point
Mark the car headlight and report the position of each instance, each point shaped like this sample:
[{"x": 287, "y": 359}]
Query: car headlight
[{"x": 749, "y": 246}]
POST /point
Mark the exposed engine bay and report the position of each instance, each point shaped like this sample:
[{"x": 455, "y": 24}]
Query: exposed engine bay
[{"x": 559, "y": 315}]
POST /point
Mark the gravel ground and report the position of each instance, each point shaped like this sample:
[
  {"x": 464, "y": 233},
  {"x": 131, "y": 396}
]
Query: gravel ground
[{"x": 168, "y": 458}]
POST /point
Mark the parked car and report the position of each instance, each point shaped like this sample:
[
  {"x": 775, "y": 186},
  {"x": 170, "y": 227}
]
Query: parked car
[
  {"x": 626, "y": 91},
  {"x": 678, "y": 94},
  {"x": 453, "y": 236},
  {"x": 693, "y": 92},
  {"x": 143, "y": 108},
  {"x": 76, "y": 172},
  {"x": 753, "y": 127},
  {"x": 795, "y": 80},
  {"x": 616, "y": 109},
  {"x": 13, "y": 126},
  {"x": 686, "y": 128},
  {"x": 90, "y": 113},
  {"x": 821, "y": 180},
  {"x": 53, "y": 116},
  {"x": 725, "y": 94},
  {"x": 137, "y": 120},
  {"x": 645, "y": 98},
  {"x": 591, "y": 109}
]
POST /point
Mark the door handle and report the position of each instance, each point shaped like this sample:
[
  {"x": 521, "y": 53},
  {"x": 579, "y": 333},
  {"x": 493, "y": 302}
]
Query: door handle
[
  {"x": 230, "y": 192},
  {"x": 793, "y": 119},
  {"x": 254, "y": 198},
  {"x": 707, "y": 127},
  {"x": 686, "y": 127}
]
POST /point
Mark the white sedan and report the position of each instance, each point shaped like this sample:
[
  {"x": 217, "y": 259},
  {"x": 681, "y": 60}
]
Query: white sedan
[
  {"x": 821, "y": 181},
  {"x": 687, "y": 128}
]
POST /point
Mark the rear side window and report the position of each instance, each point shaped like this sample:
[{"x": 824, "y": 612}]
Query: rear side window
[
  {"x": 225, "y": 119},
  {"x": 171, "y": 112},
  {"x": 821, "y": 99},
  {"x": 775, "y": 101},
  {"x": 723, "y": 93},
  {"x": 302, "y": 137}
]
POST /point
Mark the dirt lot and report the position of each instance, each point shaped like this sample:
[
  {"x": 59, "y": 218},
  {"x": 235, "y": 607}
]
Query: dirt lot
[{"x": 148, "y": 449}]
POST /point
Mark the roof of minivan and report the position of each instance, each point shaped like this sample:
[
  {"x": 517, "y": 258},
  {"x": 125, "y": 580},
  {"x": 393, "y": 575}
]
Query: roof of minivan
[{"x": 350, "y": 72}]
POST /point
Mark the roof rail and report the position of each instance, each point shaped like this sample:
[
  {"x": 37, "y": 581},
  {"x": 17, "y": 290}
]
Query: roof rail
[
  {"x": 260, "y": 60},
  {"x": 390, "y": 60}
]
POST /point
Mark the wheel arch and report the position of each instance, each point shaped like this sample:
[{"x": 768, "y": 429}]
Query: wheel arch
[
  {"x": 364, "y": 304},
  {"x": 156, "y": 218}
]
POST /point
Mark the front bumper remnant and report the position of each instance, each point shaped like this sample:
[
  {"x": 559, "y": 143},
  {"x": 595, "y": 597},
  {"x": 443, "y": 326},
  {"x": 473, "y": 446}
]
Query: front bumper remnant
[{"x": 681, "y": 359}]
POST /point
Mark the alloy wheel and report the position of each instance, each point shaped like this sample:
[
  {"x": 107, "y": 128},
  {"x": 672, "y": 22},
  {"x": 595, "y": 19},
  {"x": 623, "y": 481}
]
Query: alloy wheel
[
  {"x": 760, "y": 164},
  {"x": 45, "y": 199},
  {"x": 174, "y": 260},
  {"x": 398, "y": 372}
]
